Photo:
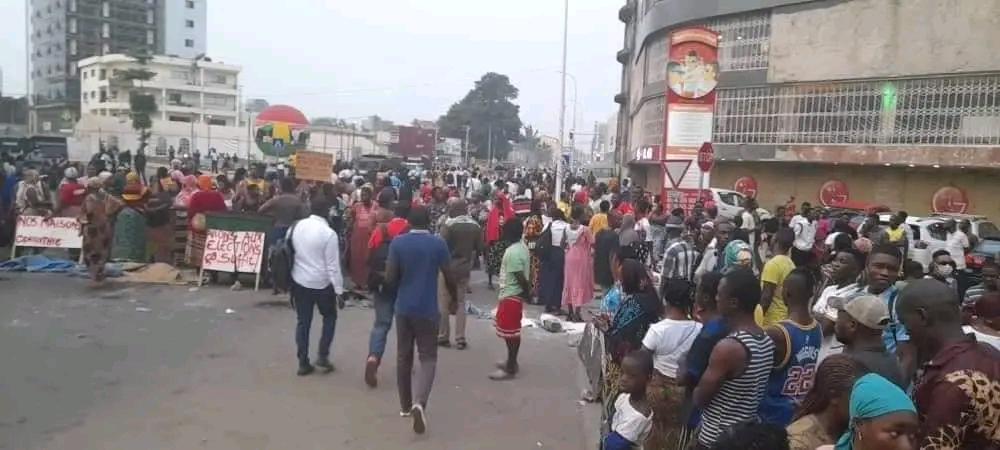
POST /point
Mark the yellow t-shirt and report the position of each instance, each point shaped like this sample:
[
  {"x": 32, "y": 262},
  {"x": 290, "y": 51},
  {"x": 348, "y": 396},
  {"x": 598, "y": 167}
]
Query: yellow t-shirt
[
  {"x": 775, "y": 271},
  {"x": 895, "y": 235},
  {"x": 598, "y": 223},
  {"x": 565, "y": 208}
]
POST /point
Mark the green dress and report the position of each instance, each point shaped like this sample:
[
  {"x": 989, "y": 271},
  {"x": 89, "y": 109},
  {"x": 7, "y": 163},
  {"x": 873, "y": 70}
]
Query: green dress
[{"x": 130, "y": 237}]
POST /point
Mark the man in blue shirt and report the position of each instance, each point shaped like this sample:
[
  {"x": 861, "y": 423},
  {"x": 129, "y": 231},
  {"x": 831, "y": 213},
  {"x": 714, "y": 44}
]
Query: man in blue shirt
[{"x": 415, "y": 259}]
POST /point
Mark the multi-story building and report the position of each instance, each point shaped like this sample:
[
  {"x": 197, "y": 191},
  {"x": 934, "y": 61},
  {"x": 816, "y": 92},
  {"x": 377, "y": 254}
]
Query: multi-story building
[
  {"x": 63, "y": 31},
  {"x": 851, "y": 101},
  {"x": 182, "y": 28},
  {"x": 610, "y": 137},
  {"x": 186, "y": 90}
]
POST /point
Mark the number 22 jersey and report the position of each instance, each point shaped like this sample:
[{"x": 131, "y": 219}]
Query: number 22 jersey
[{"x": 793, "y": 376}]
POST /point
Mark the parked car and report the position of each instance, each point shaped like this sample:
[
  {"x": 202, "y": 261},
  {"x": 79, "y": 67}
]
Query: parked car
[
  {"x": 928, "y": 233},
  {"x": 731, "y": 203},
  {"x": 987, "y": 250},
  {"x": 981, "y": 225}
]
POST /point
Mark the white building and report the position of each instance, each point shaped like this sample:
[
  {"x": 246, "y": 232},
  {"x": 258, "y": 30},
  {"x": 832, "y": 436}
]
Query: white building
[
  {"x": 610, "y": 135},
  {"x": 182, "y": 28},
  {"x": 186, "y": 90}
]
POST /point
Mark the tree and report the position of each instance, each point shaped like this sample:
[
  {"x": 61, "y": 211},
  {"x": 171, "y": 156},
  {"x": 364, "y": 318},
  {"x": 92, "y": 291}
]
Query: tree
[
  {"x": 142, "y": 106},
  {"x": 488, "y": 110}
]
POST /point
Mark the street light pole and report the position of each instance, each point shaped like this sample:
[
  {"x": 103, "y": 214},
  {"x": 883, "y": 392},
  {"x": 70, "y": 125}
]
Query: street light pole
[
  {"x": 562, "y": 102},
  {"x": 465, "y": 150},
  {"x": 32, "y": 118}
]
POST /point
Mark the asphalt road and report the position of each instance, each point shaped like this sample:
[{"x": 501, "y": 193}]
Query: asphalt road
[{"x": 158, "y": 367}]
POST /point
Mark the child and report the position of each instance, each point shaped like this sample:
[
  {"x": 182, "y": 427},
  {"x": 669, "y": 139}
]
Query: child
[{"x": 633, "y": 418}]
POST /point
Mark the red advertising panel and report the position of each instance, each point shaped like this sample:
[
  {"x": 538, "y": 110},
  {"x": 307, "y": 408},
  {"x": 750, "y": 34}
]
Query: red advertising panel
[
  {"x": 950, "y": 199},
  {"x": 834, "y": 192},
  {"x": 414, "y": 142}
]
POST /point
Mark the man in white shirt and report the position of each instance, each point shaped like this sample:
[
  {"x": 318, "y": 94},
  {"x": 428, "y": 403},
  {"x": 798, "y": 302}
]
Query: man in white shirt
[
  {"x": 957, "y": 244},
  {"x": 804, "y": 226},
  {"x": 316, "y": 282},
  {"x": 473, "y": 186}
]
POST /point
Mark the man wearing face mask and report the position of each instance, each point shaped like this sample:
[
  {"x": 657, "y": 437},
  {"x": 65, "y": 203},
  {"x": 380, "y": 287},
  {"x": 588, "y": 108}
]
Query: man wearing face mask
[
  {"x": 943, "y": 269},
  {"x": 990, "y": 275}
]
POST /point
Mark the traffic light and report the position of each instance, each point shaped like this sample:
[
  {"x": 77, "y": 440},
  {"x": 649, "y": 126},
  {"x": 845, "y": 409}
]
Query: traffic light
[{"x": 571, "y": 135}]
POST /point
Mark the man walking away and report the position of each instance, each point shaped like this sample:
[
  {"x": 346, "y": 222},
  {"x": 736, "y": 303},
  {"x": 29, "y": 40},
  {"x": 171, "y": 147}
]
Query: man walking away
[
  {"x": 316, "y": 282},
  {"x": 464, "y": 237},
  {"x": 415, "y": 259},
  {"x": 385, "y": 293}
]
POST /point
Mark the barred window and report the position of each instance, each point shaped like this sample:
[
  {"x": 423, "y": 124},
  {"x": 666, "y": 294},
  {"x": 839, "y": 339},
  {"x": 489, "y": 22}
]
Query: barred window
[
  {"x": 651, "y": 118},
  {"x": 744, "y": 40},
  {"x": 930, "y": 111},
  {"x": 656, "y": 59}
]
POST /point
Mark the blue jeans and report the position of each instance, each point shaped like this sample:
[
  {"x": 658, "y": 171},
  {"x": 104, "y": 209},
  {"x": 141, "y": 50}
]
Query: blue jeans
[
  {"x": 385, "y": 305},
  {"x": 305, "y": 301}
]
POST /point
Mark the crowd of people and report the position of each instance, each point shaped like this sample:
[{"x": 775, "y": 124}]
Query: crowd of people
[{"x": 791, "y": 330}]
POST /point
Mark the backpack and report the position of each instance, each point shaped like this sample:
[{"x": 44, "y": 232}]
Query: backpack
[
  {"x": 544, "y": 243},
  {"x": 280, "y": 261},
  {"x": 377, "y": 259}
]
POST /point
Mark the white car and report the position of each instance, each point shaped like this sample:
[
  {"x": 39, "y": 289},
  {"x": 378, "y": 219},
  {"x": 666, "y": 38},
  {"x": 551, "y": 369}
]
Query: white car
[{"x": 731, "y": 203}]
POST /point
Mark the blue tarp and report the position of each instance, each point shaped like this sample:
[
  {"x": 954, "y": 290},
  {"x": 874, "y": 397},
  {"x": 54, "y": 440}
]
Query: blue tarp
[{"x": 46, "y": 264}]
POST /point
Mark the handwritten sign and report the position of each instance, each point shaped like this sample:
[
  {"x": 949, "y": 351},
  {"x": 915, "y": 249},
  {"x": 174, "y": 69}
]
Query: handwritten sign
[
  {"x": 58, "y": 232},
  {"x": 313, "y": 166},
  {"x": 233, "y": 251}
]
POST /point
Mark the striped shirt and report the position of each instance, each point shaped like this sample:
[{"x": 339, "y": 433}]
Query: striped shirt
[
  {"x": 679, "y": 260},
  {"x": 738, "y": 399},
  {"x": 972, "y": 295}
]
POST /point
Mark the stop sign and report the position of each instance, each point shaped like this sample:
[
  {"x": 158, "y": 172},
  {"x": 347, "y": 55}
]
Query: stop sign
[{"x": 706, "y": 157}]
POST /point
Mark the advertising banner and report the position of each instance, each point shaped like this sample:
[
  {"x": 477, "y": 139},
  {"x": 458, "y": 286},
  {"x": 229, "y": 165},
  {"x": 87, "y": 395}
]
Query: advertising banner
[{"x": 692, "y": 76}]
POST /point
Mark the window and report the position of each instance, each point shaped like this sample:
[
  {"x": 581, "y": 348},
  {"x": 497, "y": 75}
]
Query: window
[
  {"x": 150, "y": 17},
  {"x": 150, "y": 37},
  {"x": 732, "y": 198},
  {"x": 656, "y": 59},
  {"x": 184, "y": 145},
  {"x": 105, "y": 9},
  {"x": 219, "y": 79},
  {"x": 189, "y": 43},
  {"x": 959, "y": 111},
  {"x": 189, "y": 4},
  {"x": 174, "y": 99},
  {"x": 744, "y": 41},
  {"x": 105, "y": 30},
  {"x": 105, "y": 49},
  {"x": 215, "y": 100},
  {"x": 72, "y": 5},
  {"x": 652, "y": 118},
  {"x": 103, "y": 75},
  {"x": 189, "y": 23},
  {"x": 179, "y": 75},
  {"x": 161, "y": 146}
]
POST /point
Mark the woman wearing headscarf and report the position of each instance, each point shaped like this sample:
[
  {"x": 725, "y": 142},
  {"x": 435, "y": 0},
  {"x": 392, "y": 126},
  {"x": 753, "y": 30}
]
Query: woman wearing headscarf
[
  {"x": 97, "y": 227},
  {"x": 736, "y": 253},
  {"x": 623, "y": 333},
  {"x": 205, "y": 200},
  {"x": 552, "y": 270},
  {"x": 159, "y": 223},
  {"x": 822, "y": 416},
  {"x": 882, "y": 417},
  {"x": 500, "y": 212},
  {"x": 629, "y": 239},
  {"x": 189, "y": 185},
  {"x": 361, "y": 218},
  {"x": 71, "y": 194},
  {"x": 130, "y": 225},
  {"x": 32, "y": 196},
  {"x": 533, "y": 227}
]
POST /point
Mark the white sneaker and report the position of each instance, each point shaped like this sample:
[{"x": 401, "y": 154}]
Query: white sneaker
[
  {"x": 419, "y": 419},
  {"x": 405, "y": 413}
]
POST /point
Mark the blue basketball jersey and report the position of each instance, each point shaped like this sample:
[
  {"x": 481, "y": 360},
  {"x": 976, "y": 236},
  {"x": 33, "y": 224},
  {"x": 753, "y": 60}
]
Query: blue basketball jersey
[{"x": 793, "y": 377}]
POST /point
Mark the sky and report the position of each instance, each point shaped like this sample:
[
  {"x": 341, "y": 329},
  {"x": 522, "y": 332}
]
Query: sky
[{"x": 401, "y": 59}]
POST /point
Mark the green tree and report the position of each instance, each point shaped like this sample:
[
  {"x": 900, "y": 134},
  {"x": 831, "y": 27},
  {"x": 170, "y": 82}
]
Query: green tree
[
  {"x": 489, "y": 106},
  {"x": 142, "y": 105}
]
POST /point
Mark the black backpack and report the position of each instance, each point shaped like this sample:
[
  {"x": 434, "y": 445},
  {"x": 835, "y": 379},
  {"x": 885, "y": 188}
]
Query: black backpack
[
  {"x": 281, "y": 260},
  {"x": 377, "y": 260}
]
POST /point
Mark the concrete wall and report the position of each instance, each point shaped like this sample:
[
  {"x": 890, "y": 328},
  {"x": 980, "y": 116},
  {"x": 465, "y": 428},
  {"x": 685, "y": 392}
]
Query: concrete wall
[
  {"x": 906, "y": 189},
  {"x": 883, "y": 38}
]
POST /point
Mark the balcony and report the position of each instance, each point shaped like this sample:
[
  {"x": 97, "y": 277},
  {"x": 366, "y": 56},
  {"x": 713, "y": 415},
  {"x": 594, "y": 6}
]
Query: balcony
[
  {"x": 626, "y": 12},
  {"x": 622, "y": 56},
  {"x": 621, "y": 98}
]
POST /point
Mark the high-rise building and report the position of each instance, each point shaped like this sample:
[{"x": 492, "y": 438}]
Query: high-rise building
[
  {"x": 182, "y": 27},
  {"x": 64, "y": 31}
]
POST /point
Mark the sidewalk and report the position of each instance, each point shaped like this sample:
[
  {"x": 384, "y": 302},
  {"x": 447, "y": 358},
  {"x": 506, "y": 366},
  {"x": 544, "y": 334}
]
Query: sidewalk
[{"x": 245, "y": 395}]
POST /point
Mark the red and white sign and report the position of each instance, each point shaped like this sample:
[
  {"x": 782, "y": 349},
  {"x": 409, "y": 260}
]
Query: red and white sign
[
  {"x": 57, "y": 232},
  {"x": 833, "y": 193},
  {"x": 674, "y": 169},
  {"x": 746, "y": 185},
  {"x": 684, "y": 198},
  {"x": 233, "y": 251},
  {"x": 706, "y": 157},
  {"x": 950, "y": 199}
]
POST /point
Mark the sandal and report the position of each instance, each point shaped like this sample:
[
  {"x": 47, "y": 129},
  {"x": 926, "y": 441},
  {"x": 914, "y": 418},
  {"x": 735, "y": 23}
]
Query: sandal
[
  {"x": 501, "y": 375},
  {"x": 460, "y": 344}
]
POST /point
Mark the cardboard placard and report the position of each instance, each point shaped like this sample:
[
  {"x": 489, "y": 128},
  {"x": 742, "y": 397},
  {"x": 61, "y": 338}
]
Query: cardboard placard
[
  {"x": 313, "y": 166},
  {"x": 233, "y": 251},
  {"x": 57, "y": 232}
]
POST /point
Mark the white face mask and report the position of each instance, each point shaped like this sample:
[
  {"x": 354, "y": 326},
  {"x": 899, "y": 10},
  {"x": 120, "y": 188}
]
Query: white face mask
[{"x": 945, "y": 269}]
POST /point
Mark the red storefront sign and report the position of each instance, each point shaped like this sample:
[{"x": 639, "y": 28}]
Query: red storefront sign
[
  {"x": 647, "y": 154},
  {"x": 683, "y": 198},
  {"x": 746, "y": 185},
  {"x": 950, "y": 199},
  {"x": 833, "y": 192}
]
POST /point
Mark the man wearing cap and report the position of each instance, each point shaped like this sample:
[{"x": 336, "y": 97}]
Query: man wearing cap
[{"x": 859, "y": 322}]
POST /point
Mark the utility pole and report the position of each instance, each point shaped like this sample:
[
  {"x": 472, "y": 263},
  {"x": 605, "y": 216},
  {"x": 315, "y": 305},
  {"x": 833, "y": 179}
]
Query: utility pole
[
  {"x": 465, "y": 151},
  {"x": 489, "y": 147},
  {"x": 562, "y": 103},
  {"x": 32, "y": 117}
]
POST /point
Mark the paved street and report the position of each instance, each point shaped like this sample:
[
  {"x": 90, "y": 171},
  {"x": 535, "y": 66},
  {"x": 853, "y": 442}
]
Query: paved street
[{"x": 157, "y": 367}]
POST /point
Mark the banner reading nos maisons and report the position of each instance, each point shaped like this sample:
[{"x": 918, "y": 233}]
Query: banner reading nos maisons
[
  {"x": 57, "y": 232},
  {"x": 233, "y": 251}
]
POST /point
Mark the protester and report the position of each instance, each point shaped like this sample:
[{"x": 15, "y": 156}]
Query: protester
[
  {"x": 464, "y": 237},
  {"x": 361, "y": 220},
  {"x": 97, "y": 220},
  {"x": 822, "y": 416},
  {"x": 881, "y": 417},
  {"x": 773, "y": 275},
  {"x": 553, "y": 266},
  {"x": 513, "y": 290},
  {"x": 859, "y": 326},
  {"x": 130, "y": 223},
  {"x": 385, "y": 292},
  {"x": 578, "y": 281},
  {"x": 415, "y": 260},
  {"x": 317, "y": 283}
]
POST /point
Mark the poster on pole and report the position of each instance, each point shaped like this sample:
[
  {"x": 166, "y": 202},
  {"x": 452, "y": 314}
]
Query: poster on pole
[
  {"x": 57, "y": 232},
  {"x": 313, "y": 166},
  {"x": 233, "y": 252},
  {"x": 692, "y": 77}
]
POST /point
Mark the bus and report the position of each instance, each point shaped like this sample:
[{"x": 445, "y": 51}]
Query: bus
[{"x": 604, "y": 171}]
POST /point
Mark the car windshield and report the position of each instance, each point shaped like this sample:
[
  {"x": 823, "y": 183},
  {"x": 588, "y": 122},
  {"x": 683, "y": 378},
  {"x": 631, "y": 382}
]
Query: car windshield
[
  {"x": 987, "y": 229},
  {"x": 987, "y": 247},
  {"x": 731, "y": 198}
]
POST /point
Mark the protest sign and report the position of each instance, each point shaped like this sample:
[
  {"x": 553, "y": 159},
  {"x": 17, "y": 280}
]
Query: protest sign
[
  {"x": 313, "y": 166},
  {"x": 233, "y": 252},
  {"x": 57, "y": 232}
]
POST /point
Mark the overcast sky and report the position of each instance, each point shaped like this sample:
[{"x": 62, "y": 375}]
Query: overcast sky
[{"x": 400, "y": 59}]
